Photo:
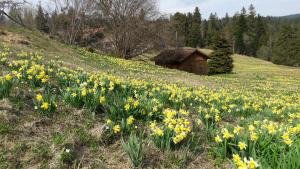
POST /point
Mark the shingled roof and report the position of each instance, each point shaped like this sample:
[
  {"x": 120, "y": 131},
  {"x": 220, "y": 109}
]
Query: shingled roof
[{"x": 176, "y": 56}]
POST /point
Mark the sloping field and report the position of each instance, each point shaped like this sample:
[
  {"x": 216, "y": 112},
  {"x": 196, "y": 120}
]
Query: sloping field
[{"x": 63, "y": 107}]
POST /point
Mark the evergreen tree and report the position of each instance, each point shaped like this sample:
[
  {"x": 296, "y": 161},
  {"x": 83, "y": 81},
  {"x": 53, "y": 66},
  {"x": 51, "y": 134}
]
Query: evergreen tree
[
  {"x": 194, "y": 37},
  {"x": 260, "y": 35},
  {"x": 54, "y": 23},
  {"x": 41, "y": 20},
  {"x": 251, "y": 40},
  {"x": 252, "y": 11},
  {"x": 239, "y": 31},
  {"x": 220, "y": 60},
  {"x": 213, "y": 22},
  {"x": 227, "y": 29},
  {"x": 204, "y": 30},
  {"x": 188, "y": 26},
  {"x": 287, "y": 51},
  {"x": 179, "y": 22},
  {"x": 212, "y": 29},
  {"x": 226, "y": 19}
]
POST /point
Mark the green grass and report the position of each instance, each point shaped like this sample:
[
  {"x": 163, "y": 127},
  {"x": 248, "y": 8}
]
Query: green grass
[
  {"x": 248, "y": 72},
  {"x": 5, "y": 128},
  {"x": 75, "y": 129}
]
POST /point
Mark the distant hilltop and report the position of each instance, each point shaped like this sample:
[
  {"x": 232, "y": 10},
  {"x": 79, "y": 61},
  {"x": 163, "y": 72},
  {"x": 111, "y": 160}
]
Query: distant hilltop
[{"x": 293, "y": 16}]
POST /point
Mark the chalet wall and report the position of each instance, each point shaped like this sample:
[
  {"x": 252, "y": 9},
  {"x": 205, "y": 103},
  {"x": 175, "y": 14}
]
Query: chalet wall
[{"x": 195, "y": 64}]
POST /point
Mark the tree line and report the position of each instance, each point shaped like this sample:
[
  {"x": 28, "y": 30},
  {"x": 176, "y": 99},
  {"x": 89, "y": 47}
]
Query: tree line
[
  {"x": 129, "y": 28},
  {"x": 271, "y": 38}
]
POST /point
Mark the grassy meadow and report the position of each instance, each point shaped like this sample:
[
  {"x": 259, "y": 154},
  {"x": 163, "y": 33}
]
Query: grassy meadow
[{"x": 64, "y": 107}]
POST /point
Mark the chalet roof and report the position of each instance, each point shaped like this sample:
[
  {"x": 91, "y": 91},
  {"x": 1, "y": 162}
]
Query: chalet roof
[{"x": 176, "y": 56}]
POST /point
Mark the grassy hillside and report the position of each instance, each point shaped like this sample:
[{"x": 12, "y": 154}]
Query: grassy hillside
[
  {"x": 54, "y": 115},
  {"x": 249, "y": 69}
]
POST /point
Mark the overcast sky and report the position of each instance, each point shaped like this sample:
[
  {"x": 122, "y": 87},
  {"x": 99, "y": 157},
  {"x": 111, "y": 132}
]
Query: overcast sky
[{"x": 264, "y": 7}]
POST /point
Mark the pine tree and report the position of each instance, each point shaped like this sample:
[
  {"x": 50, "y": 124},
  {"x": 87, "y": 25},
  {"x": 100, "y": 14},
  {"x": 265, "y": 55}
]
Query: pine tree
[
  {"x": 287, "y": 51},
  {"x": 194, "y": 36},
  {"x": 212, "y": 29},
  {"x": 227, "y": 28},
  {"x": 188, "y": 26},
  {"x": 260, "y": 35},
  {"x": 251, "y": 40},
  {"x": 227, "y": 19},
  {"x": 204, "y": 30},
  {"x": 41, "y": 20},
  {"x": 220, "y": 60},
  {"x": 240, "y": 30}
]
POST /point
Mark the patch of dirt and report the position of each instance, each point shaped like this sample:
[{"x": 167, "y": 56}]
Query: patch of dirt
[
  {"x": 153, "y": 157},
  {"x": 3, "y": 33},
  {"x": 115, "y": 157},
  {"x": 97, "y": 130},
  {"x": 7, "y": 112},
  {"x": 24, "y": 42},
  {"x": 203, "y": 162}
]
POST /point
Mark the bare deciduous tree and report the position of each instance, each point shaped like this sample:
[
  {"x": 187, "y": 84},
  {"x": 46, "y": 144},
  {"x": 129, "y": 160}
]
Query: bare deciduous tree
[
  {"x": 15, "y": 5},
  {"x": 77, "y": 10},
  {"x": 129, "y": 22}
]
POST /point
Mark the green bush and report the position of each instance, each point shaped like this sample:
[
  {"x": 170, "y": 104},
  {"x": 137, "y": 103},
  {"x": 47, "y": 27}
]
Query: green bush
[{"x": 220, "y": 60}]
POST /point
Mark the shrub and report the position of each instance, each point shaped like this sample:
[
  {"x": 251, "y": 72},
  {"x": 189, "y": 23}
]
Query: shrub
[{"x": 220, "y": 60}]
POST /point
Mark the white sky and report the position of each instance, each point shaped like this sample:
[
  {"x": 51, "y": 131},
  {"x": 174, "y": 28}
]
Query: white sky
[{"x": 264, "y": 7}]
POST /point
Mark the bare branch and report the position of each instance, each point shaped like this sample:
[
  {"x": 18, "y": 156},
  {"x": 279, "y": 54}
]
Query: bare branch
[
  {"x": 4, "y": 5},
  {"x": 128, "y": 21}
]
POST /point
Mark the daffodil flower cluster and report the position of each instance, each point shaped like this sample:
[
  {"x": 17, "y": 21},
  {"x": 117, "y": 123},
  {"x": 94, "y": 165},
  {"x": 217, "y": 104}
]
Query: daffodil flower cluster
[
  {"x": 46, "y": 104},
  {"x": 244, "y": 164},
  {"x": 257, "y": 137},
  {"x": 241, "y": 121},
  {"x": 174, "y": 130}
]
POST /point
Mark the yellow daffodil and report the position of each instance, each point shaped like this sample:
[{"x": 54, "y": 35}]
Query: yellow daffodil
[
  {"x": 218, "y": 139},
  {"x": 251, "y": 164},
  {"x": 226, "y": 134},
  {"x": 127, "y": 107},
  {"x": 117, "y": 129},
  {"x": 237, "y": 130},
  {"x": 242, "y": 145},
  {"x": 136, "y": 104},
  {"x": 45, "y": 106},
  {"x": 83, "y": 92},
  {"x": 130, "y": 120},
  {"x": 253, "y": 136},
  {"x": 159, "y": 132},
  {"x": 236, "y": 159},
  {"x": 8, "y": 77},
  {"x": 288, "y": 141},
  {"x": 39, "y": 97},
  {"x": 101, "y": 99},
  {"x": 108, "y": 122},
  {"x": 73, "y": 94}
]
